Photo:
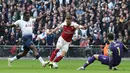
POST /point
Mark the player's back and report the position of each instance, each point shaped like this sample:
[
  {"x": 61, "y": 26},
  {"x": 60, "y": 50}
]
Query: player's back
[{"x": 117, "y": 51}]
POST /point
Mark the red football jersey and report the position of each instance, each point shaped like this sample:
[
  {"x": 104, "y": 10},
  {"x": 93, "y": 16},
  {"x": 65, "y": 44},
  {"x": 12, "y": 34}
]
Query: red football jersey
[{"x": 68, "y": 31}]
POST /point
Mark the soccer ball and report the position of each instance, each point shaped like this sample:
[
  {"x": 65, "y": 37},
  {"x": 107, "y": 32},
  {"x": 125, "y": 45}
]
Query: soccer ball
[{"x": 55, "y": 66}]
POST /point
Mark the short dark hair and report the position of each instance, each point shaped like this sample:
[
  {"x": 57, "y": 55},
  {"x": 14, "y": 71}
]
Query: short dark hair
[
  {"x": 68, "y": 16},
  {"x": 25, "y": 13},
  {"x": 110, "y": 36}
]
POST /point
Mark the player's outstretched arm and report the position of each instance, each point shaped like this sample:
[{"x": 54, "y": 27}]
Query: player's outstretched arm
[
  {"x": 15, "y": 24},
  {"x": 57, "y": 28},
  {"x": 110, "y": 54},
  {"x": 12, "y": 25},
  {"x": 110, "y": 61},
  {"x": 54, "y": 30},
  {"x": 125, "y": 48}
]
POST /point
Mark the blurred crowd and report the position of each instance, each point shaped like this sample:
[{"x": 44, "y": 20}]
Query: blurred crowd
[{"x": 100, "y": 16}]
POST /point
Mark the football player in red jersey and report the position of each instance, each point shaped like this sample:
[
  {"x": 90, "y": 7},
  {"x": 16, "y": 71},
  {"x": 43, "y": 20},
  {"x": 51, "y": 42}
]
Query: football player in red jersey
[{"x": 64, "y": 40}]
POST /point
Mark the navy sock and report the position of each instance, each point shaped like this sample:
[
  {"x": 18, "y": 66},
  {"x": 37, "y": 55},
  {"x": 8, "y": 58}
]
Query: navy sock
[
  {"x": 37, "y": 56},
  {"x": 18, "y": 56}
]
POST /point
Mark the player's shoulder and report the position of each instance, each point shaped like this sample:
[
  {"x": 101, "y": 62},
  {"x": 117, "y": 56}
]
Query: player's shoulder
[
  {"x": 73, "y": 23},
  {"x": 119, "y": 42},
  {"x": 64, "y": 23},
  {"x": 19, "y": 20}
]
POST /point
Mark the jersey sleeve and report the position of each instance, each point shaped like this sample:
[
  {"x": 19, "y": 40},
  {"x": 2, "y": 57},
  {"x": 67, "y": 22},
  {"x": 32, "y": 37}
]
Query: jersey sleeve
[
  {"x": 61, "y": 26},
  {"x": 75, "y": 25},
  {"x": 110, "y": 54}
]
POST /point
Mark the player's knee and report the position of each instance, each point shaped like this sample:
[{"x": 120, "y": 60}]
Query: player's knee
[
  {"x": 36, "y": 53},
  {"x": 96, "y": 56},
  {"x": 34, "y": 49},
  {"x": 37, "y": 56},
  {"x": 63, "y": 53}
]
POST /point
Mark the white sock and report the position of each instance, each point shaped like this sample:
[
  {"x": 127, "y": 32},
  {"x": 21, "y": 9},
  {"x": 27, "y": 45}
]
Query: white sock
[
  {"x": 14, "y": 58},
  {"x": 41, "y": 60},
  {"x": 55, "y": 62}
]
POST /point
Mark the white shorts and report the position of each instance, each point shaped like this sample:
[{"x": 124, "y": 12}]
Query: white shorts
[{"x": 62, "y": 44}]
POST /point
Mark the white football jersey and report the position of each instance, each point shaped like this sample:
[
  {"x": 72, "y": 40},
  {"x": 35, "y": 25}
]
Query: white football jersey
[{"x": 26, "y": 26}]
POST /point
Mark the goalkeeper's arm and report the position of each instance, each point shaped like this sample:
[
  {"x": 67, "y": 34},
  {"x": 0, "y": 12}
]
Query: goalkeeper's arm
[
  {"x": 125, "y": 49},
  {"x": 110, "y": 53}
]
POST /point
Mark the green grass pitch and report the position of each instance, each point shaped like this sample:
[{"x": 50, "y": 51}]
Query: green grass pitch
[{"x": 65, "y": 66}]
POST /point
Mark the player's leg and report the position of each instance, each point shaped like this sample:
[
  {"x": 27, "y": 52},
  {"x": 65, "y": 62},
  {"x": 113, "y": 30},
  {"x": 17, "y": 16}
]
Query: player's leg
[
  {"x": 36, "y": 54},
  {"x": 89, "y": 61},
  {"x": 57, "y": 59},
  {"x": 10, "y": 60},
  {"x": 60, "y": 55},
  {"x": 105, "y": 60},
  {"x": 26, "y": 43},
  {"x": 53, "y": 55},
  {"x": 58, "y": 46},
  {"x": 63, "y": 52},
  {"x": 115, "y": 63}
]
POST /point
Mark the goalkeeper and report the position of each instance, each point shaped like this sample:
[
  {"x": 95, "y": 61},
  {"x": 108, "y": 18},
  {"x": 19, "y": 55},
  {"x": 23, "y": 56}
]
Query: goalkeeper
[{"x": 115, "y": 52}]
